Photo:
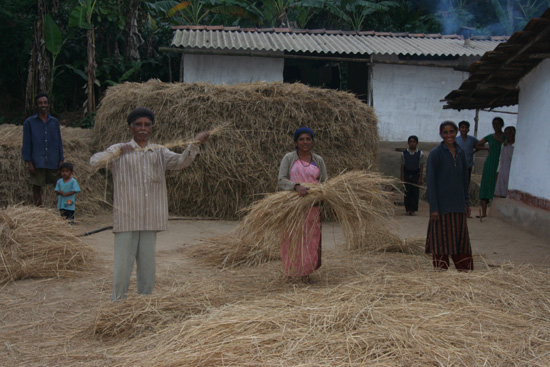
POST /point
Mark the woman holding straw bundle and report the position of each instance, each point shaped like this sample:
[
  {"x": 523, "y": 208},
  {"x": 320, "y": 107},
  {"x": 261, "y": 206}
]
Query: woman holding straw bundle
[
  {"x": 300, "y": 258},
  {"x": 447, "y": 180}
]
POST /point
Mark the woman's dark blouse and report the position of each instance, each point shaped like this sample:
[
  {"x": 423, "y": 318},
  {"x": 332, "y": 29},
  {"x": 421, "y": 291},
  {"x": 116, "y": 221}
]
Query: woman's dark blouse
[{"x": 447, "y": 180}]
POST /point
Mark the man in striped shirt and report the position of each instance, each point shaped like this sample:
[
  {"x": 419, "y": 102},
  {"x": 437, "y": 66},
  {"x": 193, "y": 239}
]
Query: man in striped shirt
[{"x": 140, "y": 201}]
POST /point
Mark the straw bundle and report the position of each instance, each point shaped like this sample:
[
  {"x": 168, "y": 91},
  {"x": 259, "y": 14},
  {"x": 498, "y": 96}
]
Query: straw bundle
[
  {"x": 76, "y": 147},
  {"x": 412, "y": 246},
  {"x": 490, "y": 318},
  {"x": 357, "y": 199},
  {"x": 243, "y": 163},
  {"x": 137, "y": 314},
  {"x": 111, "y": 156},
  {"x": 38, "y": 243}
]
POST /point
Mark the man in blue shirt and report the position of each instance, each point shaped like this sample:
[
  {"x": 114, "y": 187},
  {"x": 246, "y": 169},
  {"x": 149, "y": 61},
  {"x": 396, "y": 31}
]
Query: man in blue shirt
[{"x": 42, "y": 147}]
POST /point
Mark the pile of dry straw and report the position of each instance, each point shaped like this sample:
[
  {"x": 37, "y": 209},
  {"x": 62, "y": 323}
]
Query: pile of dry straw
[
  {"x": 388, "y": 317},
  {"x": 15, "y": 188},
  {"x": 242, "y": 163},
  {"x": 360, "y": 201},
  {"x": 38, "y": 243}
]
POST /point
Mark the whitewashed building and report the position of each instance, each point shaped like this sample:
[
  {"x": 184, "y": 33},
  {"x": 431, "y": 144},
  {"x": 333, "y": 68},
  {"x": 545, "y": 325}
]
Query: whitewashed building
[
  {"x": 403, "y": 76},
  {"x": 517, "y": 72}
]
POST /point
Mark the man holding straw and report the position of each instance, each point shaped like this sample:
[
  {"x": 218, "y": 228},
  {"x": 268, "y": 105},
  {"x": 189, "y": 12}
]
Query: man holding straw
[{"x": 140, "y": 200}]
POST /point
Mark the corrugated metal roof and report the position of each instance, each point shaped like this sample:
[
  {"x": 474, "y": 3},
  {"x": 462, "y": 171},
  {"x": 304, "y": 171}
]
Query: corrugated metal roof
[
  {"x": 494, "y": 79},
  {"x": 328, "y": 42}
]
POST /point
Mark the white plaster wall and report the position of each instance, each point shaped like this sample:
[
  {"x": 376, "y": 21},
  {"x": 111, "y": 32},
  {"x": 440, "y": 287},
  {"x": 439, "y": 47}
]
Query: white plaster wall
[
  {"x": 231, "y": 69},
  {"x": 407, "y": 102},
  {"x": 530, "y": 170}
]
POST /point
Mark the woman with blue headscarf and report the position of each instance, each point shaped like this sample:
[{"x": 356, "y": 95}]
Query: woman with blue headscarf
[{"x": 297, "y": 167}]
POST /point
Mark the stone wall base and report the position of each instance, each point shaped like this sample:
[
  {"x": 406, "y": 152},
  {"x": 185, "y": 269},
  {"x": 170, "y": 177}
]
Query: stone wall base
[{"x": 530, "y": 218}]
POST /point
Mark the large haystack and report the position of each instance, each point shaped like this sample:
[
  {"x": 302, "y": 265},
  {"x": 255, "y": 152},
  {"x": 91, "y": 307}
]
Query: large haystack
[
  {"x": 38, "y": 243},
  {"x": 238, "y": 165},
  {"x": 15, "y": 188}
]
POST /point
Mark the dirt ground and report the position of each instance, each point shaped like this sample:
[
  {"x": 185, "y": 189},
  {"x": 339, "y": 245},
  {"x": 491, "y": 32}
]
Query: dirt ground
[
  {"x": 50, "y": 322},
  {"x": 493, "y": 241}
]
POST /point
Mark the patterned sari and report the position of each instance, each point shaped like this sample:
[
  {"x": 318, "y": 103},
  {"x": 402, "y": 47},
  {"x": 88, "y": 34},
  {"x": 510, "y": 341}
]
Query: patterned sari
[{"x": 308, "y": 257}]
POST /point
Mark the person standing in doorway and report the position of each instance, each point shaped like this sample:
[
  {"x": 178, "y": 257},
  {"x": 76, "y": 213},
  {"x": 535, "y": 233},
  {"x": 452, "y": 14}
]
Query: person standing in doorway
[
  {"x": 42, "y": 147},
  {"x": 412, "y": 167}
]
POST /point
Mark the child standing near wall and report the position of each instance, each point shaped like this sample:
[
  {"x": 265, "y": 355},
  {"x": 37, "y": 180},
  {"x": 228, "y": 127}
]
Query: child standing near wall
[
  {"x": 412, "y": 166},
  {"x": 66, "y": 190}
]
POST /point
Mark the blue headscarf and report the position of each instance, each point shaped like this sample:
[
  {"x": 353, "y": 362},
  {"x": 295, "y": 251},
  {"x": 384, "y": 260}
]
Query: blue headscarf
[{"x": 302, "y": 130}]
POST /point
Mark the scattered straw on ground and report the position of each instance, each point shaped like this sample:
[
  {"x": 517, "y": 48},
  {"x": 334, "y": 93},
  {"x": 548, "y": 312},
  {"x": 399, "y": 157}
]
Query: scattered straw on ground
[
  {"x": 234, "y": 169},
  {"x": 137, "y": 314},
  {"x": 413, "y": 246},
  {"x": 366, "y": 308},
  {"x": 386, "y": 318},
  {"x": 38, "y": 243}
]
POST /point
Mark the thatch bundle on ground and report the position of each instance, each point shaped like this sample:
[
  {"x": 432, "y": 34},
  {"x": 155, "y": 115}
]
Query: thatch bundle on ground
[
  {"x": 412, "y": 246},
  {"x": 137, "y": 314},
  {"x": 15, "y": 188},
  {"x": 38, "y": 243},
  {"x": 242, "y": 163},
  {"x": 360, "y": 201},
  {"x": 389, "y": 317}
]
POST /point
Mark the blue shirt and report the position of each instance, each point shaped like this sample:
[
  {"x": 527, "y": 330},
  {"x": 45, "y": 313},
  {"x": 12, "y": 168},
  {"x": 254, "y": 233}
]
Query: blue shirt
[
  {"x": 42, "y": 143},
  {"x": 66, "y": 202},
  {"x": 467, "y": 146},
  {"x": 447, "y": 180}
]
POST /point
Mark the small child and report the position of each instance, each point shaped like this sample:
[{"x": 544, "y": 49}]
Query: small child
[
  {"x": 66, "y": 190},
  {"x": 412, "y": 165}
]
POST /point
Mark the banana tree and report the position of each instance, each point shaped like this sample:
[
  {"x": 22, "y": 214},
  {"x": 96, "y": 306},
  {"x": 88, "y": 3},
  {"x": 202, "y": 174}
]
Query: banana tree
[
  {"x": 81, "y": 17},
  {"x": 193, "y": 12},
  {"x": 224, "y": 12},
  {"x": 354, "y": 12},
  {"x": 39, "y": 67},
  {"x": 54, "y": 43}
]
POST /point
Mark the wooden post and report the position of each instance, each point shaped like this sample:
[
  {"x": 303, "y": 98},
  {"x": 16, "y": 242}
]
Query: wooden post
[
  {"x": 181, "y": 67},
  {"x": 476, "y": 122},
  {"x": 370, "y": 66}
]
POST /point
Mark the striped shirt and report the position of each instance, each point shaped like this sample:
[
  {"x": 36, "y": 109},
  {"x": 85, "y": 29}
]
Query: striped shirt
[{"x": 140, "y": 200}]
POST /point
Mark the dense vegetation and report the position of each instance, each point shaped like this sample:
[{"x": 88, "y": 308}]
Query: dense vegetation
[{"x": 75, "y": 49}]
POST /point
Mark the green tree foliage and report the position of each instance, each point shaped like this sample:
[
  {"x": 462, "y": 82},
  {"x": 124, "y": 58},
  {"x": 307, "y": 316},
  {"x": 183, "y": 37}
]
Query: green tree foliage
[
  {"x": 127, "y": 34},
  {"x": 16, "y": 27}
]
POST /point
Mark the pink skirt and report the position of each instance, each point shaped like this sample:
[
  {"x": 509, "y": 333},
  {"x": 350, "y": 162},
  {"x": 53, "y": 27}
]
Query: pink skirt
[{"x": 308, "y": 257}]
